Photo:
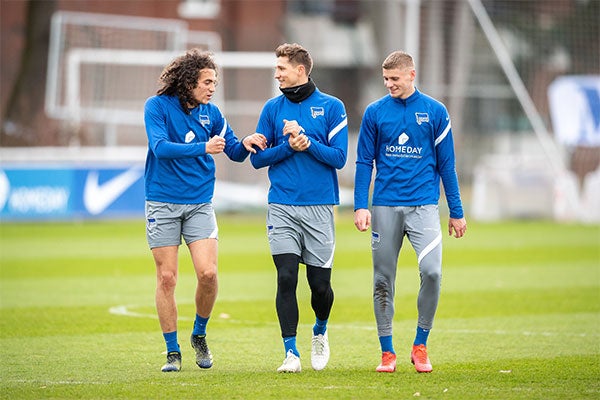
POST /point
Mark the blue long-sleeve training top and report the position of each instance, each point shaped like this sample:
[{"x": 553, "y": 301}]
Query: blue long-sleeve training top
[
  {"x": 307, "y": 177},
  {"x": 178, "y": 169},
  {"x": 410, "y": 143}
]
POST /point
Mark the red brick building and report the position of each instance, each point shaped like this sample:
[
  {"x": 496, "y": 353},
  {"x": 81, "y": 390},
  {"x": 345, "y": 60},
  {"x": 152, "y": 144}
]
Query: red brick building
[{"x": 248, "y": 25}]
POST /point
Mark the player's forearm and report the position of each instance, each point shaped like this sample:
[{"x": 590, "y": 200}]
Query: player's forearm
[
  {"x": 170, "y": 150},
  {"x": 452, "y": 193},
  {"x": 235, "y": 150},
  {"x": 362, "y": 182},
  {"x": 334, "y": 157},
  {"x": 271, "y": 155}
]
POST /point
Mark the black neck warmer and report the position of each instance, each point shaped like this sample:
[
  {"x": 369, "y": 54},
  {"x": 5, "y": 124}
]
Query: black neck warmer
[{"x": 299, "y": 93}]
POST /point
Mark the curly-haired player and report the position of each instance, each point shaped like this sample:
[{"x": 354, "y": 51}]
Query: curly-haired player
[{"x": 184, "y": 130}]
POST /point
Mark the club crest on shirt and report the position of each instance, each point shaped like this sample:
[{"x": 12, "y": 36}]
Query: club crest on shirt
[
  {"x": 317, "y": 111},
  {"x": 421, "y": 117},
  {"x": 204, "y": 119}
]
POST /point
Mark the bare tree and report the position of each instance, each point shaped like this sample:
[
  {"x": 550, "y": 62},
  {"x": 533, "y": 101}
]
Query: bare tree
[{"x": 25, "y": 122}]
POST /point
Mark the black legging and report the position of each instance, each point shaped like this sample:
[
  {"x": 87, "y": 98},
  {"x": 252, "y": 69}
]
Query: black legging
[{"x": 286, "y": 302}]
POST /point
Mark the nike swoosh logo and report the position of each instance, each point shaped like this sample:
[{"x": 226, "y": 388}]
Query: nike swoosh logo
[{"x": 97, "y": 198}]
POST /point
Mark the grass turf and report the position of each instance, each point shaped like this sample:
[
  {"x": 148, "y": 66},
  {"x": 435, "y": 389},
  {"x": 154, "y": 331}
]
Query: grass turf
[{"x": 519, "y": 317}]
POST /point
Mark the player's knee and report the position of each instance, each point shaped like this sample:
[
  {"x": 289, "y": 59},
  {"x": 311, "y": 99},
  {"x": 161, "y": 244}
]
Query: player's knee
[
  {"x": 287, "y": 282},
  {"x": 383, "y": 281},
  {"x": 287, "y": 272},
  {"x": 319, "y": 280},
  {"x": 321, "y": 289},
  {"x": 167, "y": 280},
  {"x": 431, "y": 274},
  {"x": 208, "y": 276}
]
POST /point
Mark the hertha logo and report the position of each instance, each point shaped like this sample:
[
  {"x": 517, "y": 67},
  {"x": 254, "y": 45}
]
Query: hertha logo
[
  {"x": 316, "y": 111},
  {"x": 422, "y": 117},
  {"x": 204, "y": 120},
  {"x": 375, "y": 237},
  {"x": 375, "y": 240}
]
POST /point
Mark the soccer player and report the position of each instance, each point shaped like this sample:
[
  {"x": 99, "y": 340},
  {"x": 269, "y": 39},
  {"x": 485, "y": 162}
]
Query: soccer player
[
  {"x": 407, "y": 137},
  {"x": 307, "y": 141},
  {"x": 184, "y": 130}
]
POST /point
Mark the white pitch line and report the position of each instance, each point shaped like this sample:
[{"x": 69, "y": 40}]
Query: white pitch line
[
  {"x": 524, "y": 333},
  {"x": 50, "y": 383},
  {"x": 124, "y": 310}
]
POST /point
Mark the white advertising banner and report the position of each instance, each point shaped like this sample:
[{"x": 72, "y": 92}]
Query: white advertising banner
[{"x": 575, "y": 110}]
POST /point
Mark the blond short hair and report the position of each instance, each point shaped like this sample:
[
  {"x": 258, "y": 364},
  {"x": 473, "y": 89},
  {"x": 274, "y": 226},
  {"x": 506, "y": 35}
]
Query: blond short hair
[{"x": 398, "y": 59}]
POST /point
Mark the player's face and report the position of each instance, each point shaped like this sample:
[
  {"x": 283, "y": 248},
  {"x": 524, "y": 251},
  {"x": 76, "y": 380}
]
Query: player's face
[
  {"x": 399, "y": 81},
  {"x": 207, "y": 84},
  {"x": 289, "y": 75}
]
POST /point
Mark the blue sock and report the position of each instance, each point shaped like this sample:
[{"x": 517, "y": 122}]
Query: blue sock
[
  {"x": 422, "y": 335},
  {"x": 171, "y": 341},
  {"x": 320, "y": 327},
  {"x": 290, "y": 344},
  {"x": 386, "y": 344},
  {"x": 200, "y": 325}
]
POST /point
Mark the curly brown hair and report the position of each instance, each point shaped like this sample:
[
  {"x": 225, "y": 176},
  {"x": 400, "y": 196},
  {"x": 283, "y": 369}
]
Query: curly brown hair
[{"x": 180, "y": 77}]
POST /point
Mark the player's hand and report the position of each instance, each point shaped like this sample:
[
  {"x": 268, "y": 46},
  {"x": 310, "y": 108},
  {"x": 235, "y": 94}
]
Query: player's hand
[
  {"x": 292, "y": 128},
  {"x": 362, "y": 219},
  {"x": 458, "y": 225},
  {"x": 256, "y": 139},
  {"x": 299, "y": 143},
  {"x": 215, "y": 145}
]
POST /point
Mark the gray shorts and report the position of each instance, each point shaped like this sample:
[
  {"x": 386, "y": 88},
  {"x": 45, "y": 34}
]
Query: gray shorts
[
  {"x": 307, "y": 231},
  {"x": 166, "y": 223}
]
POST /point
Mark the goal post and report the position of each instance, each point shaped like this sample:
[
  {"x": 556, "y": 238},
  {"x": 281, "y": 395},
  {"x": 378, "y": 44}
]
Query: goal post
[
  {"x": 127, "y": 77},
  {"x": 103, "y": 67},
  {"x": 70, "y": 30}
]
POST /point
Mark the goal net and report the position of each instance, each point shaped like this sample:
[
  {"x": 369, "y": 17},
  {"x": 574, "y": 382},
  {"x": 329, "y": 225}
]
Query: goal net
[
  {"x": 102, "y": 67},
  {"x": 529, "y": 172}
]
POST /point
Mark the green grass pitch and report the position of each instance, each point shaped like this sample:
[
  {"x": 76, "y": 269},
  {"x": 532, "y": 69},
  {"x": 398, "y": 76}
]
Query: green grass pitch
[{"x": 519, "y": 317}]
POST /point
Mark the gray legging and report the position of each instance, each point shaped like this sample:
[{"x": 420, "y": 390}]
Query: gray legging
[{"x": 422, "y": 227}]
